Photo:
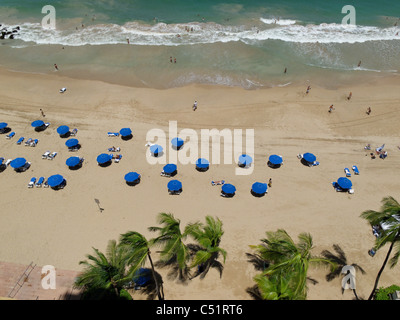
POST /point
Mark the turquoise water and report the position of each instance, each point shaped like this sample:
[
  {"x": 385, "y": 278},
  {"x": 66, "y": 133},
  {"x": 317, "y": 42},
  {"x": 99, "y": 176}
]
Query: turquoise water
[{"x": 237, "y": 43}]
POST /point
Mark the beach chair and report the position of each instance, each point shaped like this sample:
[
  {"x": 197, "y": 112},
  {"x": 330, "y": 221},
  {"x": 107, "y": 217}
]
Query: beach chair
[
  {"x": 315, "y": 163},
  {"x": 32, "y": 182},
  {"x": 217, "y": 183},
  {"x": 20, "y": 140},
  {"x": 45, "y": 155},
  {"x": 45, "y": 185},
  {"x": 8, "y": 161},
  {"x": 113, "y": 134},
  {"x": 118, "y": 158},
  {"x": 34, "y": 143},
  {"x": 74, "y": 132},
  {"x": 355, "y": 169},
  {"x": 51, "y": 156},
  {"x": 347, "y": 172},
  {"x": 39, "y": 183},
  {"x": 28, "y": 142},
  {"x": 9, "y": 136},
  {"x": 47, "y": 124},
  {"x": 351, "y": 191}
]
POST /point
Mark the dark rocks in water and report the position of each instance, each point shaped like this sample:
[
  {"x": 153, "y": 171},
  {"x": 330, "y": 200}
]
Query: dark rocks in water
[{"x": 11, "y": 37}]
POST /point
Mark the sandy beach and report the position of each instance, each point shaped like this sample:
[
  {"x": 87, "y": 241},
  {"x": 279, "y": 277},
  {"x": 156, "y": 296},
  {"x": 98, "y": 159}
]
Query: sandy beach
[{"x": 60, "y": 227}]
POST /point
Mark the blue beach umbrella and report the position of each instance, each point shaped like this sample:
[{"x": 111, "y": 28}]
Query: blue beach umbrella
[
  {"x": 344, "y": 183},
  {"x": 309, "y": 157},
  {"x": 71, "y": 143},
  {"x": 228, "y": 188},
  {"x": 170, "y": 168},
  {"x": 177, "y": 142},
  {"x": 202, "y": 163},
  {"x": 174, "y": 185},
  {"x": 142, "y": 277},
  {"x": 3, "y": 125},
  {"x": 55, "y": 180},
  {"x": 156, "y": 149},
  {"x": 37, "y": 123},
  {"x": 18, "y": 163},
  {"x": 103, "y": 158},
  {"x": 125, "y": 132},
  {"x": 72, "y": 161},
  {"x": 132, "y": 176},
  {"x": 259, "y": 187},
  {"x": 245, "y": 160},
  {"x": 61, "y": 130},
  {"x": 275, "y": 159}
]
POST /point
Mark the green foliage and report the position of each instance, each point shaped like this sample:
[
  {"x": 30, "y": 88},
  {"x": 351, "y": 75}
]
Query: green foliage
[{"x": 383, "y": 293}]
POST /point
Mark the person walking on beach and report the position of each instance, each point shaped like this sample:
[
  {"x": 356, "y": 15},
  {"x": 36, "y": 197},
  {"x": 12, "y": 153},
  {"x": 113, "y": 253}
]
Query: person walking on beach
[
  {"x": 285, "y": 70},
  {"x": 368, "y": 110},
  {"x": 41, "y": 111},
  {"x": 349, "y": 97},
  {"x": 56, "y": 67},
  {"x": 308, "y": 89},
  {"x": 174, "y": 60},
  {"x": 270, "y": 183},
  {"x": 127, "y": 40},
  {"x": 170, "y": 59},
  {"x": 331, "y": 108},
  {"x": 195, "y": 106},
  {"x": 359, "y": 64}
]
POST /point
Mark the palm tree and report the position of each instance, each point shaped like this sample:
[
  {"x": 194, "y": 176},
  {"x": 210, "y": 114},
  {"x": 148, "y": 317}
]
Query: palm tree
[
  {"x": 389, "y": 217},
  {"x": 138, "y": 250},
  {"x": 174, "y": 251},
  {"x": 276, "y": 287},
  {"x": 340, "y": 259},
  {"x": 104, "y": 275},
  {"x": 207, "y": 251},
  {"x": 288, "y": 260}
]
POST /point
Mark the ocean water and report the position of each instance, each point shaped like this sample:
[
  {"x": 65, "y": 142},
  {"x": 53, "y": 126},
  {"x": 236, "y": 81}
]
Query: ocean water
[{"x": 234, "y": 43}]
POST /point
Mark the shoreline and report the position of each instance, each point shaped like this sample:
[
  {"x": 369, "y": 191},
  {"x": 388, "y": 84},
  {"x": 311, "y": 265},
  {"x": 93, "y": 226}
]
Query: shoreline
[{"x": 60, "y": 227}]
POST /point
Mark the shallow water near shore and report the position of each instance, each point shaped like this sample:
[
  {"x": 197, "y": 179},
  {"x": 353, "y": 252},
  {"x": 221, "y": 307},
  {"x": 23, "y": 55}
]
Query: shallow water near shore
[{"x": 248, "y": 44}]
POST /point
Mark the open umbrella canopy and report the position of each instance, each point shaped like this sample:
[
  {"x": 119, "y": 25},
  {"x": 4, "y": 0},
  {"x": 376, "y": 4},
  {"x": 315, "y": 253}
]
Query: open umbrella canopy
[
  {"x": 155, "y": 149},
  {"x": 18, "y": 163},
  {"x": 170, "y": 168},
  {"x": 228, "y": 188},
  {"x": 202, "y": 163},
  {"x": 103, "y": 158},
  {"x": 72, "y": 161},
  {"x": 124, "y": 132},
  {"x": 71, "y": 143},
  {"x": 174, "y": 185},
  {"x": 3, "y": 125},
  {"x": 142, "y": 276},
  {"x": 177, "y": 142},
  {"x": 344, "y": 183},
  {"x": 55, "y": 180},
  {"x": 275, "y": 159},
  {"x": 309, "y": 157},
  {"x": 245, "y": 159},
  {"x": 132, "y": 176},
  {"x": 37, "y": 123},
  {"x": 259, "y": 187},
  {"x": 61, "y": 130}
]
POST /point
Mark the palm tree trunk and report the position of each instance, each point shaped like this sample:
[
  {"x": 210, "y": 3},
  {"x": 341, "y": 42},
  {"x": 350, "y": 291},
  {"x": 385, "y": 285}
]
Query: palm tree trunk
[
  {"x": 160, "y": 297},
  {"x": 381, "y": 270}
]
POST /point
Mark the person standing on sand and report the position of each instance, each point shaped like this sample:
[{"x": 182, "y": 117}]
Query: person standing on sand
[
  {"x": 127, "y": 40},
  {"x": 174, "y": 60},
  {"x": 170, "y": 59},
  {"x": 270, "y": 183},
  {"x": 56, "y": 67},
  {"x": 195, "y": 106},
  {"x": 41, "y": 111},
  {"x": 285, "y": 70},
  {"x": 368, "y": 110},
  {"x": 359, "y": 64},
  {"x": 308, "y": 89},
  {"x": 331, "y": 108}
]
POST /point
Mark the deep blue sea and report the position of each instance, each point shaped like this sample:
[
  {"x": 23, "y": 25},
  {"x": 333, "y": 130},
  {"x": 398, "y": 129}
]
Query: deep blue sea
[{"x": 236, "y": 43}]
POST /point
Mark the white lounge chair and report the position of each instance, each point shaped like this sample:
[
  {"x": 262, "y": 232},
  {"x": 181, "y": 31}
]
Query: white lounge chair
[
  {"x": 8, "y": 162},
  {"x": 74, "y": 132},
  {"x": 34, "y": 143},
  {"x": 347, "y": 172},
  {"x": 32, "y": 182},
  {"x": 45, "y": 155},
  {"x": 52, "y": 156},
  {"x": 39, "y": 183},
  {"x": 355, "y": 169},
  {"x": 62, "y": 90},
  {"x": 28, "y": 142}
]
